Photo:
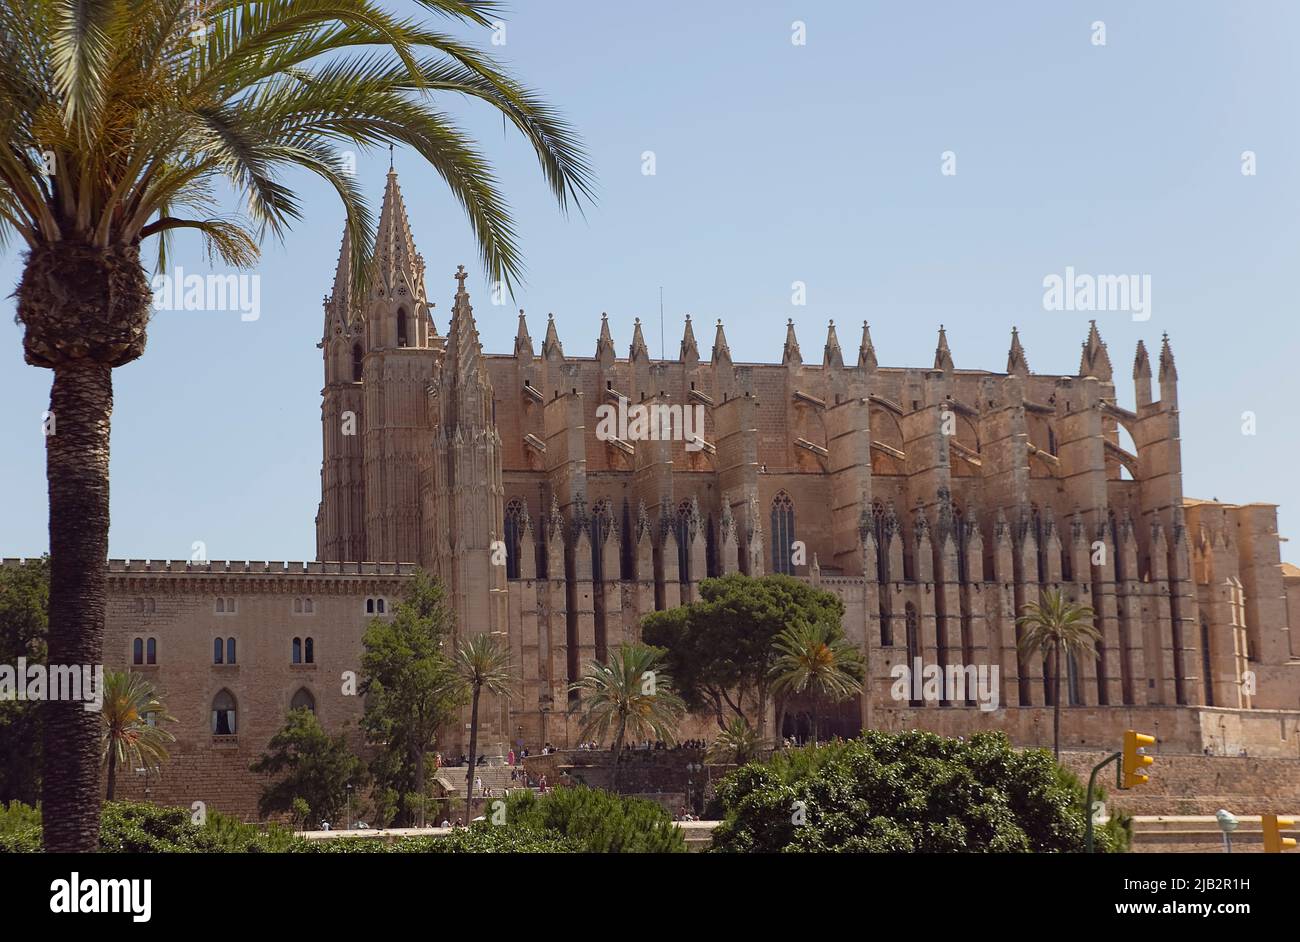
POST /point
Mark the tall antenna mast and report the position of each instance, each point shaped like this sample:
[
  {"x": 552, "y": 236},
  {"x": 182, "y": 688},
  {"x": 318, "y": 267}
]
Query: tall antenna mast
[{"x": 661, "y": 322}]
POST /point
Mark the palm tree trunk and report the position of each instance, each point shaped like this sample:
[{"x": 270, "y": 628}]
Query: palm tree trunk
[
  {"x": 76, "y": 456},
  {"x": 618, "y": 754},
  {"x": 814, "y": 721},
  {"x": 473, "y": 756},
  {"x": 112, "y": 775},
  {"x": 1056, "y": 702}
]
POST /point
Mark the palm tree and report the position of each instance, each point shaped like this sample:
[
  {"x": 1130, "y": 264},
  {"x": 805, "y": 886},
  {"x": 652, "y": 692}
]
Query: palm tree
[
  {"x": 123, "y": 121},
  {"x": 131, "y": 714},
  {"x": 737, "y": 744},
  {"x": 1053, "y": 624},
  {"x": 483, "y": 664},
  {"x": 630, "y": 693},
  {"x": 818, "y": 660}
]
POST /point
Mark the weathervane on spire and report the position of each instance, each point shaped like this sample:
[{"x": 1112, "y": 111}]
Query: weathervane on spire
[{"x": 390, "y": 156}]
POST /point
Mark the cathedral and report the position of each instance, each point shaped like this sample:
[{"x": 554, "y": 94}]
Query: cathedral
[{"x": 934, "y": 501}]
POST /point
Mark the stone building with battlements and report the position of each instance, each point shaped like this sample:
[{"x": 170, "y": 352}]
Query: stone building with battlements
[{"x": 934, "y": 501}]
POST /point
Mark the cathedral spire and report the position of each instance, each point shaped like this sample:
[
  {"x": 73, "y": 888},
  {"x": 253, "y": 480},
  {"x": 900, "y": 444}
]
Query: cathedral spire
[
  {"x": 1017, "y": 362},
  {"x": 1167, "y": 370},
  {"x": 720, "y": 348},
  {"x": 523, "y": 342},
  {"x": 338, "y": 306},
  {"x": 552, "y": 341},
  {"x": 832, "y": 356},
  {"x": 1141, "y": 362},
  {"x": 867, "y": 349},
  {"x": 398, "y": 264},
  {"x": 605, "y": 342},
  {"x": 1095, "y": 360},
  {"x": 638, "y": 349},
  {"x": 690, "y": 350},
  {"x": 790, "y": 353},
  {"x": 942, "y": 355},
  {"x": 464, "y": 352}
]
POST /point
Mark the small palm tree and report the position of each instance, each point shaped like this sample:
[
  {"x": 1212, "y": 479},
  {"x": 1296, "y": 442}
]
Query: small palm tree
[
  {"x": 737, "y": 744},
  {"x": 631, "y": 693},
  {"x": 130, "y": 716},
  {"x": 483, "y": 664},
  {"x": 818, "y": 660},
  {"x": 1050, "y": 625},
  {"x": 124, "y": 124}
]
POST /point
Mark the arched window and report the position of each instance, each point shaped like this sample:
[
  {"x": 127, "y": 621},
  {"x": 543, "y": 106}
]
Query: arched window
[
  {"x": 303, "y": 700},
  {"x": 370, "y": 606},
  {"x": 782, "y": 533},
  {"x": 230, "y": 650},
  {"x": 151, "y": 651},
  {"x": 683, "y": 527},
  {"x": 296, "y": 656},
  {"x": 223, "y": 714},
  {"x": 137, "y": 651},
  {"x": 356, "y": 363},
  {"x": 401, "y": 327},
  {"x": 514, "y": 534},
  {"x": 599, "y": 525},
  {"x": 218, "y": 650},
  {"x": 379, "y": 606},
  {"x": 913, "y": 648},
  {"x": 309, "y": 651},
  {"x": 307, "y": 607},
  {"x": 221, "y": 606}
]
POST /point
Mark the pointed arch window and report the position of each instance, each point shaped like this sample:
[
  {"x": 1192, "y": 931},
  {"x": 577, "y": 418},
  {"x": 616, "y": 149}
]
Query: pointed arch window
[
  {"x": 514, "y": 535},
  {"x": 600, "y": 525},
  {"x": 683, "y": 527},
  {"x": 309, "y": 651},
  {"x": 137, "y": 651},
  {"x": 782, "y": 533},
  {"x": 356, "y": 363},
  {"x": 913, "y": 649},
  {"x": 223, "y": 714},
  {"x": 230, "y": 650},
  {"x": 151, "y": 651},
  {"x": 218, "y": 650},
  {"x": 401, "y": 328},
  {"x": 296, "y": 655},
  {"x": 303, "y": 700}
]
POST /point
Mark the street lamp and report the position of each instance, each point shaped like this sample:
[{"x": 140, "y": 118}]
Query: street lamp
[{"x": 1227, "y": 823}]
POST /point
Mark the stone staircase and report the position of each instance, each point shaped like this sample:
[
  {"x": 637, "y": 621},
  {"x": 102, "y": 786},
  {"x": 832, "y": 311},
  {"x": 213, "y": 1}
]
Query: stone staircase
[{"x": 496, "y": 778}]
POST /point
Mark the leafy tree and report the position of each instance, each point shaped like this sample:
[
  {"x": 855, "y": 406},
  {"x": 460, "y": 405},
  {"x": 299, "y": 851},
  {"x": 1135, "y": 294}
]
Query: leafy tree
[
  {"x": 123, "y": 122},
  {"x": 1051, "y": 626},
  {"x": 630, "y": 693},
  {"x": 720, "y": 648},
  {"x": 410, "y": 686},
  {"x": 483, "y": 663},
  {"x": 598, "y": 821},
  {"x": 904, "y": 793},
  {"x": 817, "y": 660},
  {"x": 24, "y": 620},
  {"x": 132, "y": 714},
  {"x": 317, "y": 769}
]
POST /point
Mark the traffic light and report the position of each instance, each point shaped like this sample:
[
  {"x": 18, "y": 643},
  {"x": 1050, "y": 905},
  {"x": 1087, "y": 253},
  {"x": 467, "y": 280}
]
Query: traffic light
[
  {"x": 1135, "y": 761},
  {"x": 1274, "y": 842}
]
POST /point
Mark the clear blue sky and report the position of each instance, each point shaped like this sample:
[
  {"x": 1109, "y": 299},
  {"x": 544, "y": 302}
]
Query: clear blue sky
[{"x": 777, "y": 163}]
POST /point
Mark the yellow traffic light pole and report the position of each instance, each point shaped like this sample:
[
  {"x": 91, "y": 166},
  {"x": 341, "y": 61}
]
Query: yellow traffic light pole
[
  {"x": 1274, "y": 842},
  {"x": 1127, "y": 773}
]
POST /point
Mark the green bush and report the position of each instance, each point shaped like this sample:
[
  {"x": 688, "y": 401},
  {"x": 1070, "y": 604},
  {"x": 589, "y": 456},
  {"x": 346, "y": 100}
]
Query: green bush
[
  {"x": 906, "y": 793},
  {"x": 479, "y": 838},
  {"x": 598, "y": 821}
]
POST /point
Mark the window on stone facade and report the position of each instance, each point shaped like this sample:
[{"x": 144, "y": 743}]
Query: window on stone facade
[
  {"x": 218, "y": 650},
  {"x": 137, "y": 651},
  {"x": 379, "y": 606},
  {"x": 309, "y": 651},
  {"x": 297, "y": 606},
  {"x": 600, "y": 525},
  {"x": 782, "y": 533},
  {"x": 682, "y": 525},
  {"x": 1205, "y": 663},
  {"x": 223, "y": 714},
  {"x": 514, "y": 535},
  {"x": 230, "y": 650},
  {"x": 221, "y": 606},
  {"x": 151, "y": 651},
  {"x": 303, "y": 700},
  {"x": 296, "y": 655},
  {"x": 370, "y": 606},
  {"x": 401, "y": 328},
  {"x": 149, "y": 606},
  {"x": 307, "y": 607},
  {"x": 913, "y": 648},
  {"x": 356, "y": 363}
]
